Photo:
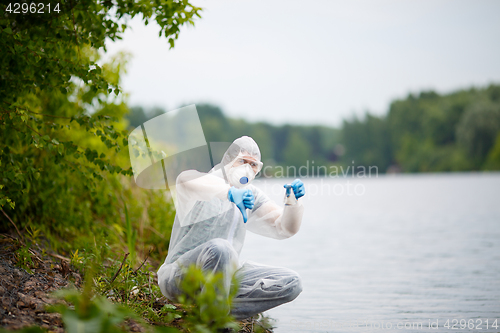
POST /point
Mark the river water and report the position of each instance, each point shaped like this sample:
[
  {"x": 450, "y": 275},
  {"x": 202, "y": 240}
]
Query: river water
[{"x": 416, "y": 253}]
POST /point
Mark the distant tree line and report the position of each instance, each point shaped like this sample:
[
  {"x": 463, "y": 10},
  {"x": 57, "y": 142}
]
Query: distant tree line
[
  {"x": 287, "y": 145},
  {"x": 425, "y": 132},
  {"x": 429, "y": 132}
]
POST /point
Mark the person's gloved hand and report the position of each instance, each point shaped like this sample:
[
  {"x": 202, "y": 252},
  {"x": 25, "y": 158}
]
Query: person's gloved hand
[
  {"x": 298, "y": 188},
  {"x": 243, "y": 198}
]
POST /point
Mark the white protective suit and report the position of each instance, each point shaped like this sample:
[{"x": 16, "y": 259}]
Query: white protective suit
[{"x": 214, "y": 243}]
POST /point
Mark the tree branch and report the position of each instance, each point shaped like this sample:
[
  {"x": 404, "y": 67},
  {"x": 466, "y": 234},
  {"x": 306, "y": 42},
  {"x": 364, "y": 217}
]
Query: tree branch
[
  {"x": 15, "y": 226},
  {"x": 33, "y": 129},
  {"x": 119, "y": 269},
  {"x": 143, "y": 261},
  {"x": 28, "y": 110}
]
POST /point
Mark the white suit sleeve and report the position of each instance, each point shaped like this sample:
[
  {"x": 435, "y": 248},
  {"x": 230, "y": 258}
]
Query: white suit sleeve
[
  {"x": 273, "y": 221},
  {"x": 193, "y": 185}
]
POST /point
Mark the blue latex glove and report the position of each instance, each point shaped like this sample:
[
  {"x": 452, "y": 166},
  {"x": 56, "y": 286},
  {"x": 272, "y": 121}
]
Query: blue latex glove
[
  {"x": 243, "y": 198},
  {"x": 298, "y": 188}
]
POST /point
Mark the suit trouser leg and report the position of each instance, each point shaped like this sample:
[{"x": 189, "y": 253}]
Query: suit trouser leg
[
  {"x": 264, "y": 287},
  {"x": 216, "y": 255}
]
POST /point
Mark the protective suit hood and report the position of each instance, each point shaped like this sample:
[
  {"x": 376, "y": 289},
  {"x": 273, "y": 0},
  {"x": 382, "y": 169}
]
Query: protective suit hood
[{"x": 244, "y": 148}]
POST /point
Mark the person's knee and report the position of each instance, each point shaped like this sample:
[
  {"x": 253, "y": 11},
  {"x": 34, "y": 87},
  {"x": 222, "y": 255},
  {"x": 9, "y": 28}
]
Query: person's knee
[
  {"x": 219, "y": 243},
  {"x": 294, "y": 287},
  {"x": 218, "y": 251},
  {"x": 220, "y": 247}
]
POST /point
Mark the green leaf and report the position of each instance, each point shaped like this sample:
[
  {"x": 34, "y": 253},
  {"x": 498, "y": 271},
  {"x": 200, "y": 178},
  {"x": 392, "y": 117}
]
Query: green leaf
[
  {"x": 60, "y": 149},
  {"x": 169, "y": 307}
]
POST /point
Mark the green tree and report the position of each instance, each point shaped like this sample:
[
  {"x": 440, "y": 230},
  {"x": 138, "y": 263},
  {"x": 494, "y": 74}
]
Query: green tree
[
  {"x": 427, "y": 132},
  {"x": 296, "y": 153},
  {"x": 57, "y": 142},
  {"x": 262, "y": 134},
  {"x": 493, "y": 158},
  {"x": 478, "y": 129},
  {"x": 138, "y": 115},
  {"x": 367, "y": 142},
  {"x": 215, "y": 125}
]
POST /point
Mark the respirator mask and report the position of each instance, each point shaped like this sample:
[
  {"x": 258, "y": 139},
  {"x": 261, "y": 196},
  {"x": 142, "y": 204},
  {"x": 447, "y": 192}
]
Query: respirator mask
[{"x": 241, "y": 175}]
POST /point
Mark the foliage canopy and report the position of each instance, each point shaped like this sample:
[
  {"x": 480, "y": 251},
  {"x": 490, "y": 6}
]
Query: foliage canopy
[{"x": 62, "y": 131}]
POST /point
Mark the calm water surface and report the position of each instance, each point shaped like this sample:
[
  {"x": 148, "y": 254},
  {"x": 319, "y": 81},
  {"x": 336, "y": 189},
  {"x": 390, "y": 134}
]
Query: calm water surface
[{"x": 391, "y": 251}]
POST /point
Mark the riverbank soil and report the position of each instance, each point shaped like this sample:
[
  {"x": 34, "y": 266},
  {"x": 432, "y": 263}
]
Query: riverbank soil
[
  {"x": 25, "y": 293},
  {"x": 25, "y": 296}
]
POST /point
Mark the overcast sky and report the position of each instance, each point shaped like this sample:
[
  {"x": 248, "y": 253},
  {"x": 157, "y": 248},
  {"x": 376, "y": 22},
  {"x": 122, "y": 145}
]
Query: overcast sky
[{"x": 314, "y": 62}]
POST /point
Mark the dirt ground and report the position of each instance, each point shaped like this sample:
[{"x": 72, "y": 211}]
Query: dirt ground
[{"x": 24, "y": 297}]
